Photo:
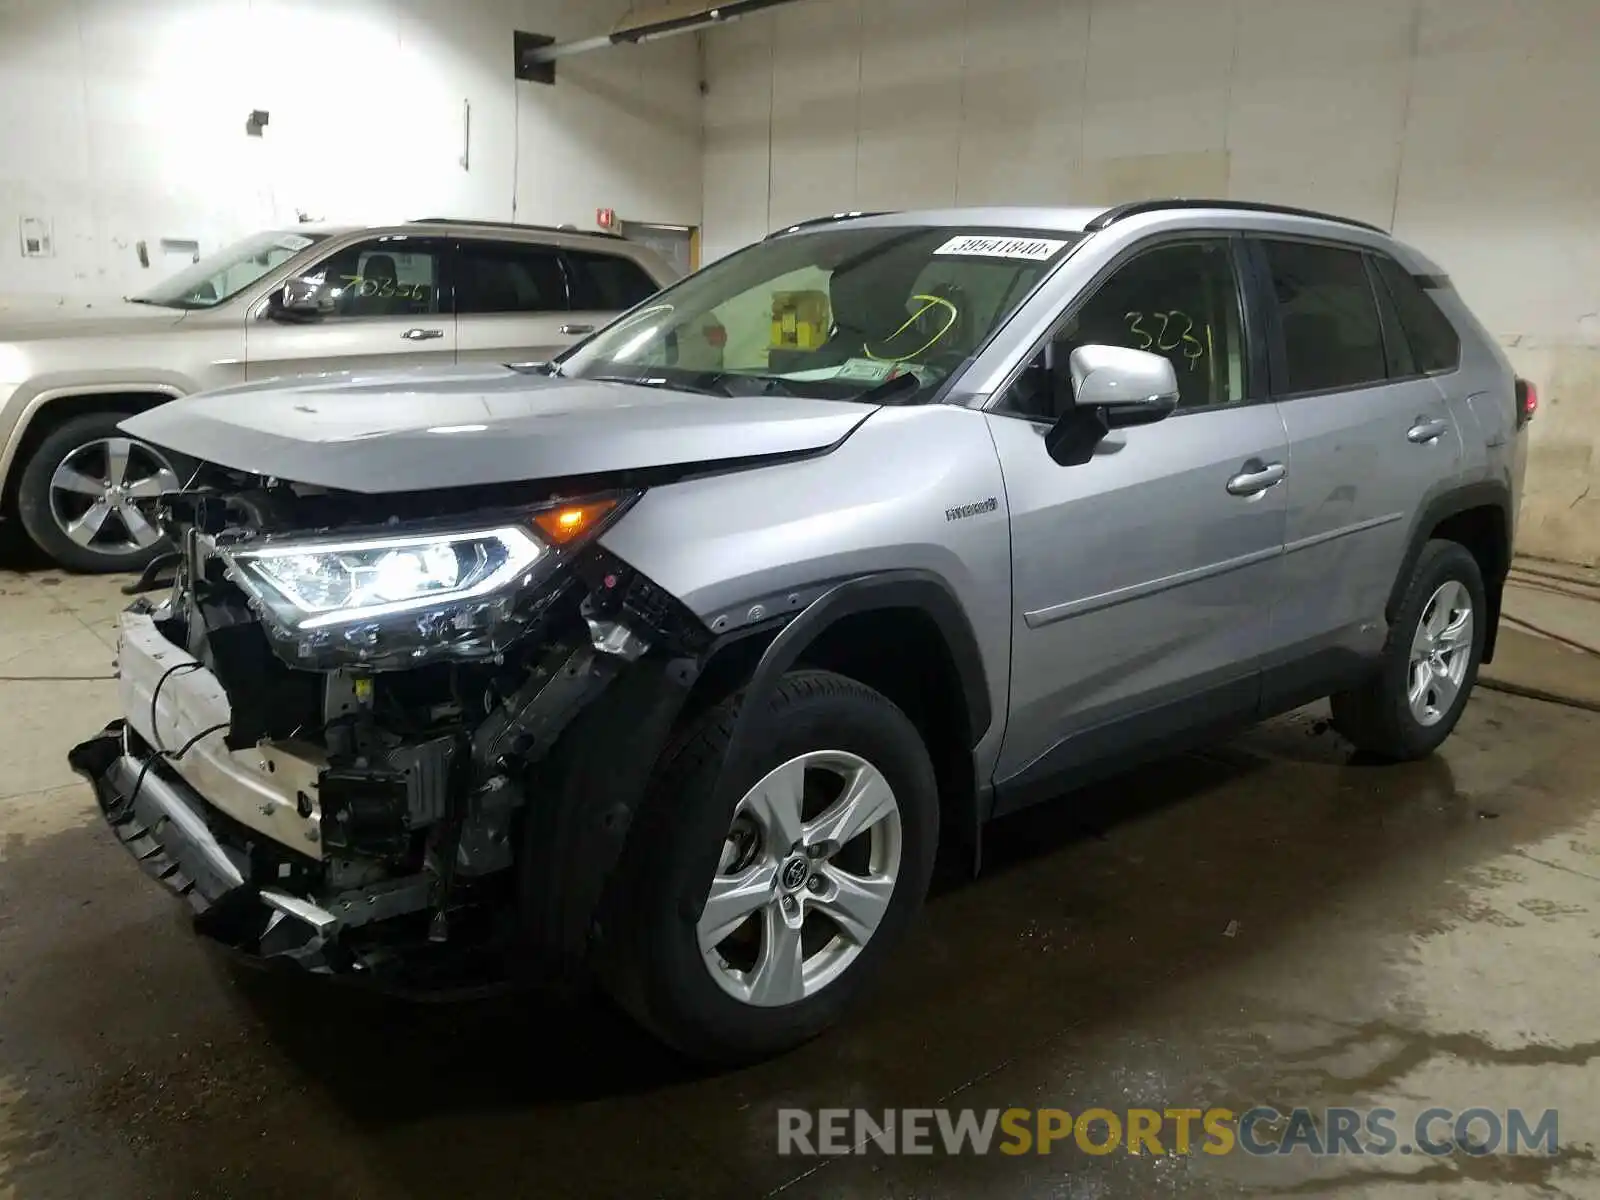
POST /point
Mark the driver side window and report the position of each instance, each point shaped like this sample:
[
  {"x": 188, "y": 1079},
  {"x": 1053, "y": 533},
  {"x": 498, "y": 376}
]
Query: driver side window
[
  {"x": 1179, "y": 300},
  {"x": 386, "y": 277}
]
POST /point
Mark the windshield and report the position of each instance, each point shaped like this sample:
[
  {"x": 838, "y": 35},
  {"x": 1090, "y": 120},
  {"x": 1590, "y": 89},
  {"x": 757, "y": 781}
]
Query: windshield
[
  {"x": 832, "y": 313},
  {"x": 223, "y": 275}
]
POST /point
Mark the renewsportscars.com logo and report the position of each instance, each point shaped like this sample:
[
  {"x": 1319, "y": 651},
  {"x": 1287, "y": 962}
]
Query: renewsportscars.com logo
[{"x": 1261, "y": 1131}]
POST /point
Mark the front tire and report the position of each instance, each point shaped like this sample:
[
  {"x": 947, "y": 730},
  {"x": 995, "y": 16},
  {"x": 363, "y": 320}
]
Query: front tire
[
  {"x": 87, "y": 495},
  {"x": 743, "y": 932},
  {"x": 1430, "y": 662}
]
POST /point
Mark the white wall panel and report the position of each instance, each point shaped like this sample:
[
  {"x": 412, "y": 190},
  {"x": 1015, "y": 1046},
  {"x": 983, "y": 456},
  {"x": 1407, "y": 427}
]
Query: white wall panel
[
  {"x": 910, "y": 98},
  {"x": 1023, "y": 86},
  {"x": 816, "y": 106},
  {"x": 738, "y": 149}
]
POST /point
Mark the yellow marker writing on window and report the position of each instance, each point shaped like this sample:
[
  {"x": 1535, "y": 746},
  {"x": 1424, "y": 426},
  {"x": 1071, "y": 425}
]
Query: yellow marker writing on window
[{"x": 930, "y": 302}]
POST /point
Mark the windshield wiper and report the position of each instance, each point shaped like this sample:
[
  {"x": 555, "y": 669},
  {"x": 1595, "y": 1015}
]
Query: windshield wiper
[
  {"x": 710, "y": 383},
  {"x": 890, "y": 390}
]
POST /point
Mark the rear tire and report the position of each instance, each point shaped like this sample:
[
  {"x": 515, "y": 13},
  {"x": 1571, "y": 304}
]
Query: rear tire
[
  {"x": 1408, "y": 708},
  {"x": 85, "y": 530},
  {"x": 713, "y": 996}
]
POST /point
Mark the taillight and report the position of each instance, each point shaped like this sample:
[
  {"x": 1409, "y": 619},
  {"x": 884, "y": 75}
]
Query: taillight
[{"x": 1527, "y": 401}]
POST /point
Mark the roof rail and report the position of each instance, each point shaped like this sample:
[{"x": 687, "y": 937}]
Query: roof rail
[
  {"x": 1112, "y": 215},
  {"x": 828, "y": 220},
  {"x": 480, "y": 224}
]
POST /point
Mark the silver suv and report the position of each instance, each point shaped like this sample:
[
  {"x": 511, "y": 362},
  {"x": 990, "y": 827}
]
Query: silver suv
[
  {"x": 674, "y": 660},
  {"x": 278, "y": 303}
]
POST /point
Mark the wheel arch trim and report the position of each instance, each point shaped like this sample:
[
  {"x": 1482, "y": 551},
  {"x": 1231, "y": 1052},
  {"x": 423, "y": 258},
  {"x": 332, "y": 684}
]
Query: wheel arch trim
[
  {"x": 905, "y": 588},
  {"x": 165, "y": 389},
  {"x": 1491, "y": 493}
]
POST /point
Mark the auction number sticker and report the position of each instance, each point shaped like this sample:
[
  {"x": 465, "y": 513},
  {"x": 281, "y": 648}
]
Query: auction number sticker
[{"x": 1031, "y": 249}]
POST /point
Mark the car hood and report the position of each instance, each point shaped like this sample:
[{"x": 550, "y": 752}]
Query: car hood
[
  {"x": 419, "y": 430},
  {"x": 92, "y": 321}
]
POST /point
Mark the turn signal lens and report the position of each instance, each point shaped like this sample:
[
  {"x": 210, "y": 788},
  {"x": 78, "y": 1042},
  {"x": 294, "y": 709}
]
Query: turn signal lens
[{"x": 562, "y": 525}]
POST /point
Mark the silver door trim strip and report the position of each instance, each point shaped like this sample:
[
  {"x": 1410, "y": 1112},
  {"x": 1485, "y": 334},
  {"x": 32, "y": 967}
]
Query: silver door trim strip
[
  {"x": 1328, "y": 535},
  {"x": 1040, "y": 617}
]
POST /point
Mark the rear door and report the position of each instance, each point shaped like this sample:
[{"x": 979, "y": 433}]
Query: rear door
[
  {"x": 603, "y": 285},
  {"x": 1369, "y": 437},
  {"x": 512, "y": 301},
  {"x": 1424, "y": 342},
  {"x": 387, "y": 304}
]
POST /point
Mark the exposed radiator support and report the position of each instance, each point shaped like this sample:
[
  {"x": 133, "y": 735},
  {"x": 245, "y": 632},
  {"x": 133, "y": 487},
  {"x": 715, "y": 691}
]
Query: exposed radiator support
[{"x": 536, "y": 54}]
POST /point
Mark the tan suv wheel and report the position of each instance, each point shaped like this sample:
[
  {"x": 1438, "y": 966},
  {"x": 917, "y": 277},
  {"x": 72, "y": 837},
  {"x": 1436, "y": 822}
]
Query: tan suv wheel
[{"x": 87, "y": 495}]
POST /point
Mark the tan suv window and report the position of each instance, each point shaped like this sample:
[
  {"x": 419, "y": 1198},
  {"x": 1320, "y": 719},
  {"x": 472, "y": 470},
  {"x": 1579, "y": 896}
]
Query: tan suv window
[
  {"x": 386, "y": 277},
  {"x": 505, "y": 277}
]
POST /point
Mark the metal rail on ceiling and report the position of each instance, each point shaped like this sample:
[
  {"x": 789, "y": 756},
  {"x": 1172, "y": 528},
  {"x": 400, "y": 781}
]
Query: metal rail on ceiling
[{"x": 536, "y": 54}]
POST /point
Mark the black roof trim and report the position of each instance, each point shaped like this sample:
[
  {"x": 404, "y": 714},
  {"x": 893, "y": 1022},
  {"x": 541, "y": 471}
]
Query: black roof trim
[
  {"x": 828, "y": 220},
  {"x": 1433, "y": 283},
  {"x": 1112, "y": 215},
  {"x": 475, "y": 223}
]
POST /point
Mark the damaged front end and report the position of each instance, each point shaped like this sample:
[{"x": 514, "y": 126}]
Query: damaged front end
[{"x": 341, "y": 724}]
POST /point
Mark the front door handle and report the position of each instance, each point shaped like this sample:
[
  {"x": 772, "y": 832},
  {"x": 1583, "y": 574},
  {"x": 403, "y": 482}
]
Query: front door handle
[
  {"x": 1256, "y": 478},
  {"x": 422, "y": 335},
  {"x": 1427, "y": 430},
  {"x": 575, "y": 330}
]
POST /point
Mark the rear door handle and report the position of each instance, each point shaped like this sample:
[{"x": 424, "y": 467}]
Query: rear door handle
[
  {"x": 575, "y": 330},
  {"x": 422, "y": 335},
  {"x": 1256, "y": 478},
  {"x": 1427, "y": 430}
]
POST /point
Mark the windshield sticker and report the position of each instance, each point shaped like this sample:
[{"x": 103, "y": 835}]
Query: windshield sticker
[
  {"x": 292, "y": 241},
  {"x": 1030, "y": 249},
  {"x": 864, "y": 369}
]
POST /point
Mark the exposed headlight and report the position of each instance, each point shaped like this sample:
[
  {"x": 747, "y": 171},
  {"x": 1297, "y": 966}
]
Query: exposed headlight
[
  {"x": 395, "y": 600},
  {"x": 312, "y": 587}
]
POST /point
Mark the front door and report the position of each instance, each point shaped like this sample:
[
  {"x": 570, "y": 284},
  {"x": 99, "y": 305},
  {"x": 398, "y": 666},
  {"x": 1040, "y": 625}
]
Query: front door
[
  {"x": 1142, "y": 580},
  {"x": 386, "y": 304},
  {"x": 1370, "y": 436}
]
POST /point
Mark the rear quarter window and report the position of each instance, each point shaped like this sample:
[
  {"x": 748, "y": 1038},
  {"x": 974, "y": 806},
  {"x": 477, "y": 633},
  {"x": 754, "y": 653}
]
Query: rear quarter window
[
  {"x": 607, "y": 281},
  {"x": 1435, "y": 344}
]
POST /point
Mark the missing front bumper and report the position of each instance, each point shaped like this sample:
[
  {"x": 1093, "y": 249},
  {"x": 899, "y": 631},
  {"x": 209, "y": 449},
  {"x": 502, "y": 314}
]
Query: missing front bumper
[{"x": 170, "y": 831}]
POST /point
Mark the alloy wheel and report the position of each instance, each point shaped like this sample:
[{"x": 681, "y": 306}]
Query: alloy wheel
[
  {"x": 806, "y": 874},
  {"x": 1441, "y": 650},
  {"x": 103, "y": 493}
]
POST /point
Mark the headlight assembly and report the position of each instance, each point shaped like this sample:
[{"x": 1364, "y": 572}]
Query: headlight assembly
[
  {"x": 317, "y": 586},
  {"x": 398, "y": 599}
]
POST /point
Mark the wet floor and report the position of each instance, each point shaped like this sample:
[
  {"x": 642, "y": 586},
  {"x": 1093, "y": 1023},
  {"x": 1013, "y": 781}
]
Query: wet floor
[{"x": 1266, "y": 923}]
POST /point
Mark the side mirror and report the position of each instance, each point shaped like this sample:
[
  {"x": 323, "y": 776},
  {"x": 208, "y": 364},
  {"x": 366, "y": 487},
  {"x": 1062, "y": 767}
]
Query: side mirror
[
  {"x": 299, "y": 300},
  {"x": 1112, "y": 387},
  {"x": 1131, "y": 387}
]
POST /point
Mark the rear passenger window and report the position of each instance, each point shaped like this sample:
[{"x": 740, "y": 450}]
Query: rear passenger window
[
  {"x": 607, "y": 281},
  {"x": 1332, "y": 337},
  {"x": 1434, "y": 343},
  {"x": 502, "y": 277}
]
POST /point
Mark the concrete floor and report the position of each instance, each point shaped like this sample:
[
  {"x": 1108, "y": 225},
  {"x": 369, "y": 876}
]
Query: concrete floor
[{"x": 1266, "y": 923}]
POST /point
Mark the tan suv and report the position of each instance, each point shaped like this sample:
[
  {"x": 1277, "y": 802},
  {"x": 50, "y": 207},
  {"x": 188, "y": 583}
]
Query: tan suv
[{"x": 283, "y": 302}]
